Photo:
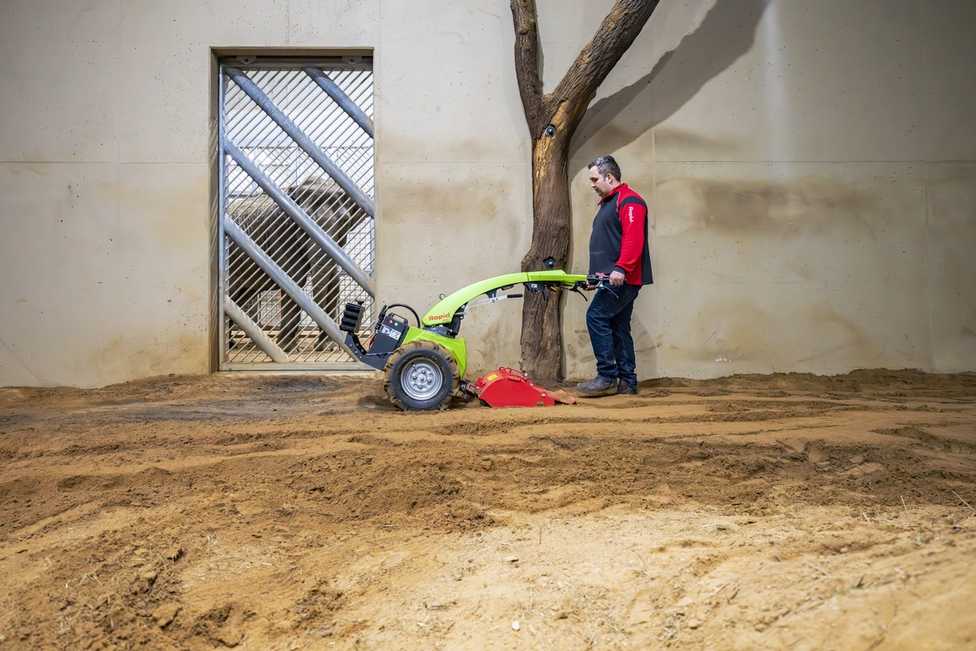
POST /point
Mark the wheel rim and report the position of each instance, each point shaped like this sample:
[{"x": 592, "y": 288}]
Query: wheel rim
[{"x": 422, "y": 379}]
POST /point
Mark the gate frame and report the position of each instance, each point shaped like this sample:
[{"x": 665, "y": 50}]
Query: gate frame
[{"x": 275, "y": 58}]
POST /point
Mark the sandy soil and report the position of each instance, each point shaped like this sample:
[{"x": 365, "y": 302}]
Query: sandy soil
[{"x": 304, "y": 512}]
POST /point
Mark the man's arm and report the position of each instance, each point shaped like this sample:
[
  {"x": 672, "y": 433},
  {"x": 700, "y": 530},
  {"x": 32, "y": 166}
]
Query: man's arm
[{"x": 632, "y": 219}]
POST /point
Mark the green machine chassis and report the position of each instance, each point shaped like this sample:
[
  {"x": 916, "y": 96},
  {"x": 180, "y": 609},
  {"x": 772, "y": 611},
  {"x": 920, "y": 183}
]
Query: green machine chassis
[{"x": 418, "y": 359}]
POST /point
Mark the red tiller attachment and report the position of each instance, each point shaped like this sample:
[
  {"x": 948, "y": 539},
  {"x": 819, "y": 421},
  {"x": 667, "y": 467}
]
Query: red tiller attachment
[{"x": 506, "y": 387}]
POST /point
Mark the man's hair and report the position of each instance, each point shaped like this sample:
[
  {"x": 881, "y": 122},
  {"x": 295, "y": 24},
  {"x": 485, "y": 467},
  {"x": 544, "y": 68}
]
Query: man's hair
[{"x": 606, "y": 165}]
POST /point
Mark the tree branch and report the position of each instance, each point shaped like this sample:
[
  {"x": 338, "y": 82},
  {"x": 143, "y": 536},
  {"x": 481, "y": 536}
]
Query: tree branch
[
  {"x": 527, "y": 64},
  {"x": 597, "y": 58}
]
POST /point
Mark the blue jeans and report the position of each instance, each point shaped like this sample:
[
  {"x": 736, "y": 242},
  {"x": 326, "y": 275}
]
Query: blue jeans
[{"x": 608, "y": 320}]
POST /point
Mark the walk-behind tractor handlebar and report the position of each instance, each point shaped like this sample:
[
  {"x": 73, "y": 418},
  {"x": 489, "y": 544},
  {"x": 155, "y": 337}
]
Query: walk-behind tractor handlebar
[{"x": 425, "y": 363}]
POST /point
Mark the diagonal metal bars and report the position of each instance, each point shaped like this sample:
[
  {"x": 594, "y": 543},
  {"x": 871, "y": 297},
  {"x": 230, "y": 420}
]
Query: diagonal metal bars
[
  {"x": 302, "y": 140},
  {"x": 335, "y": 92},
  {"x": 283, "y": 281},
  {"x": 297, "y": 205},
  {"x": 300, "y": 217}
]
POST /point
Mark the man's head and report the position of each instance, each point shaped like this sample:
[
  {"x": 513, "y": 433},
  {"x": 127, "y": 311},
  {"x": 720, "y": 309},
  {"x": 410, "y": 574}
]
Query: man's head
[{"x": 604, "y": 175}]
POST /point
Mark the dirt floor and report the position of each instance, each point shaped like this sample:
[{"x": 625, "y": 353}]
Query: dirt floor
[{"x": 285, "y": 512}]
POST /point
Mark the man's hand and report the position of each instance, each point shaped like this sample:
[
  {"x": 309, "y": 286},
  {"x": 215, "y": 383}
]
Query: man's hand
[{"x": 616, "y": 278}]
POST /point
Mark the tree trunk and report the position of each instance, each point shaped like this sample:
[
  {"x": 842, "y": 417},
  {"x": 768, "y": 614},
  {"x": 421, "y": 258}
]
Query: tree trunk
[
  {"x": 552, "y": 119},
  {"x": 542, "y": 340}
]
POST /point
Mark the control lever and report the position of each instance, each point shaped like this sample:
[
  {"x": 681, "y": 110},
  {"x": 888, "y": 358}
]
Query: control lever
[{"x": 601, "y": 281}]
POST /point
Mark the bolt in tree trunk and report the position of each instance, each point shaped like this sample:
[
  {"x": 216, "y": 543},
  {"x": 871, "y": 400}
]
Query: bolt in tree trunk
[{"x": 552, "y": 120}]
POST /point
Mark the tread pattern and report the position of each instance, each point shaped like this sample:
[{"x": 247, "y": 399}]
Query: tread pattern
[{"x": 421, "y": 345}]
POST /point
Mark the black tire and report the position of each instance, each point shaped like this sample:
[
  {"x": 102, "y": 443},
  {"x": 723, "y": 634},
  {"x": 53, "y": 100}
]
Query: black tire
[{"x": 421, "y": 376}]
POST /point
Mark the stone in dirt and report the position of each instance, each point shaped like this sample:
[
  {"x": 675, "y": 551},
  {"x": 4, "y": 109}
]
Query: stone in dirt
[
  {"x": 165, "y": 614},
  {"x": 174, "y": 553},
  {"x": 230, "y": 635},
  {"x": 816, "y": 455}
]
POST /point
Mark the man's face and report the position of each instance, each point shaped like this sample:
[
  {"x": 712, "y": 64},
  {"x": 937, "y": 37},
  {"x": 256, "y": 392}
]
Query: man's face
[{"x": 601, "y": 184}]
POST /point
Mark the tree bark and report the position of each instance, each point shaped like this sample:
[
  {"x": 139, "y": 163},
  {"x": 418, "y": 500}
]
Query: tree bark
[
  {"x": 541, "y": 313},
  {"x": 552, "y": 120}
]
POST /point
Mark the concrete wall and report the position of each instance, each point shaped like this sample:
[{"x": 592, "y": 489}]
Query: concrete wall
[{"x": 810, "y": 166}]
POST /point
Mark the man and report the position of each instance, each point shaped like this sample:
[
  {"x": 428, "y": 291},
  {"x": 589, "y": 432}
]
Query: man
[{"x": 619, "y": 254}]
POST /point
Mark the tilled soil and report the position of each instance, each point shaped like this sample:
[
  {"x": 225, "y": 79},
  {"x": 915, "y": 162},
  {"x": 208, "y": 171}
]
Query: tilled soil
[{"x": 280, "y": 512}]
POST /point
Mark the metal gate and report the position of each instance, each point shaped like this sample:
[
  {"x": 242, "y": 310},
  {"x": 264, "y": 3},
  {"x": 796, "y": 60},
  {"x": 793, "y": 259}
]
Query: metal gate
[{"x": 296, "y": 205}]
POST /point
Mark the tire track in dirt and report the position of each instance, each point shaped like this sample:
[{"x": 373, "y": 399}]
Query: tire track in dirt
[{"x": 929, "y": 440}]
